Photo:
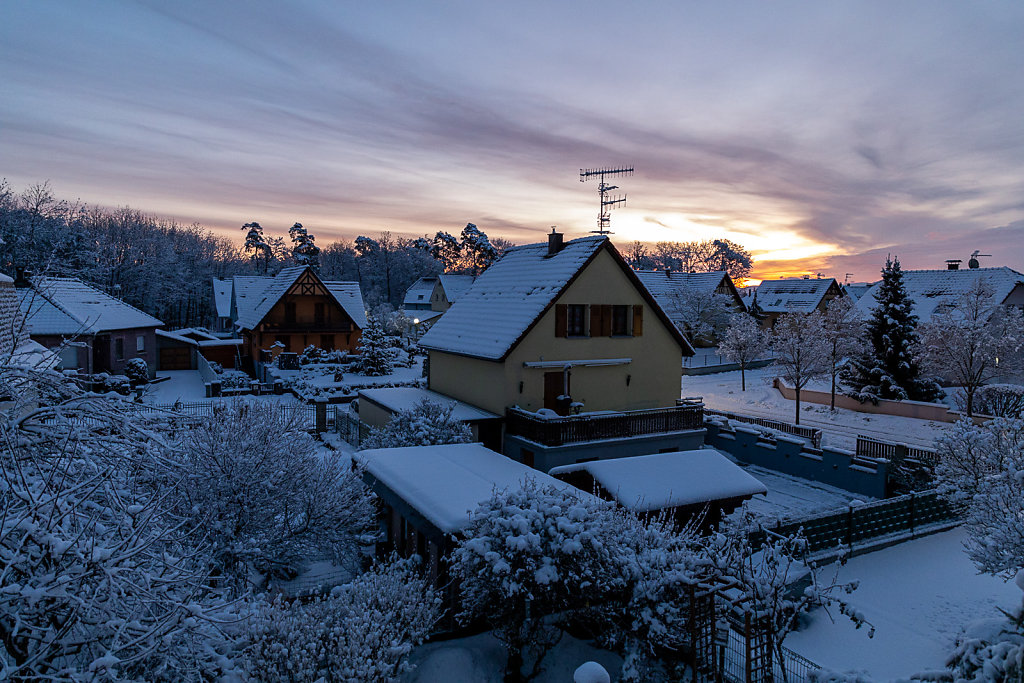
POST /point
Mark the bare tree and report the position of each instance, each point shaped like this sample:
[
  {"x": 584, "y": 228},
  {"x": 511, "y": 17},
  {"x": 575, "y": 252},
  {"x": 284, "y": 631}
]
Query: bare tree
[
  {"x": 800, "y": 349},
  {"x": 974, "y": 341},
  {"x": 842, "y": 329},
  {"x": 744, "y": 341}
]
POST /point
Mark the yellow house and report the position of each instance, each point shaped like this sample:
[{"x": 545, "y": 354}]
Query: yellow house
[{"x": 563, "y": 328}]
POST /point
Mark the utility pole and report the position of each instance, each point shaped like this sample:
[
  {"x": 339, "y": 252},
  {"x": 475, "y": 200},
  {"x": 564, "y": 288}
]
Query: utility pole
[{"x": 604, "y": 216}]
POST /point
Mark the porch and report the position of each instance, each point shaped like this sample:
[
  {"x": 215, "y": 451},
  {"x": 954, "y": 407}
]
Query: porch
[{"x": 572, "y": 429}]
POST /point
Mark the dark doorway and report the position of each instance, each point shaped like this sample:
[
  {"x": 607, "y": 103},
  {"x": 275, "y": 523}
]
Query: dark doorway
[{"x": 556, "y": 384}]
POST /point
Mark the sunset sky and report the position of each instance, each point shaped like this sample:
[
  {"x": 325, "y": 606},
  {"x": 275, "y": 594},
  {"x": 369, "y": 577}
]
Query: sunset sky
[{"x": 820, "y": 135}]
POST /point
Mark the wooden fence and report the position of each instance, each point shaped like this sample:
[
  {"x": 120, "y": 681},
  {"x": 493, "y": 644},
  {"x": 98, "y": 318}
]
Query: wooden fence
[
  {"x": 810, "y": 433},
  {"x": 858, "y": 524},
  {"x": 875, "y": 448}
]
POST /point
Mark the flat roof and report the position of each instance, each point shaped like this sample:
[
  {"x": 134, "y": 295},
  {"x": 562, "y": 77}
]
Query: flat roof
[
  {"x": 406, "y": 398},
  {"x": 446, "y": 483},
  {"x": 665, "y": 480}
]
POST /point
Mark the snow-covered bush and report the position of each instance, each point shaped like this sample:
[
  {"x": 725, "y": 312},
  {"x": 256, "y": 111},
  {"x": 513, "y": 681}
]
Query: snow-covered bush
[
  {"x": 362, "y": 631},
  {"x": 252, "y": 479},
  {"x": 533, "y": 558},
  {"x": 426, "y": 424},
  {"x": 137, "y": 371},
  {"x": 376, "y": 357},
  {"x": 94, "y": 583},
  {"x": 998, "y": 400},
  {"x": 234, "y": 379}
]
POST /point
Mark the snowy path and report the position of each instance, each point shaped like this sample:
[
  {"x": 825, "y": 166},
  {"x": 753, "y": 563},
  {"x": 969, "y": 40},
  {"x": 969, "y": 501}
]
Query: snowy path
[
  {"x": 722, "y": 392},
  {"x": 918, "y": 595}
]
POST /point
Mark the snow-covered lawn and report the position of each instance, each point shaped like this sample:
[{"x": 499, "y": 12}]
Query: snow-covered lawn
[
  {"x": 481, "y": 659},
  {"x": 722, "y": 392},
  {"x": 187, "y": 386},
  {"x": 918, "y": 595},
  {"x": 794, "y": 498}
]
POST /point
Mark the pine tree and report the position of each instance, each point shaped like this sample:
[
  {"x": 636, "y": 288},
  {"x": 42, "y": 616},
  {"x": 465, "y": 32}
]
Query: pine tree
[
  {"x": 888, "y": 369},
  {"x": 304, "y": 249},
  {"x": 257, "y": 245},
  {"x": 375, "y": 355}
]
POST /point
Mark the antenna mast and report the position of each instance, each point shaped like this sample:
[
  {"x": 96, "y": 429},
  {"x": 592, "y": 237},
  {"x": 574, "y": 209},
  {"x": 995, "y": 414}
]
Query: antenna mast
[{"x": 604, "y": 215}]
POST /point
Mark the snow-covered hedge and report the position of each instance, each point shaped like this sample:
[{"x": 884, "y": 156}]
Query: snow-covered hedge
[{"x": 426, "y": 424}]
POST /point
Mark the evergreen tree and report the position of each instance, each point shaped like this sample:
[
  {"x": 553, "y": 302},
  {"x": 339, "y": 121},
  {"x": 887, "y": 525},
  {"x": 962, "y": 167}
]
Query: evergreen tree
[
  {"x": 304, "y": 250},
  {"x": 375, "y": 354},
  {"x": 888, "y": 369},
  {"x": 256, "y": 245}
]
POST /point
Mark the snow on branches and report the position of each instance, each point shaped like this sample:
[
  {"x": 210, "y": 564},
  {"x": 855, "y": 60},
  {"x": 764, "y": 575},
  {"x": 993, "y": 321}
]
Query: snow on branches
[
  {"x": 744, "y": 341},
  {"x": 428, "y": 423},
  {"x": 376, "y": 356},
  {"x": 801, "y": 352}
]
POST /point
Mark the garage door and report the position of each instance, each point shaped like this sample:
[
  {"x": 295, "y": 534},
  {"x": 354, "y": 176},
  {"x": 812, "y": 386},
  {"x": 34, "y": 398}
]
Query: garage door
[{"x": 175, "y": 359}]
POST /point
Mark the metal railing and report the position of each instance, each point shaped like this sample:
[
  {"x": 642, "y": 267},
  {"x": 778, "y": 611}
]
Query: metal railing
[
  {"x": 580, "y": 428},
  {"x": 810, "y": 433}
]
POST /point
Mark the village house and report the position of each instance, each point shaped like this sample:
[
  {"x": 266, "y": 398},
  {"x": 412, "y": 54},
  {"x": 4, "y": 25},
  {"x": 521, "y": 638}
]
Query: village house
[
  {"x": 803, "y": 295},
  {"x": 181, "y": 349},
  {"x": 91, "y": 331},
  {"x": 16, "y": 347},
  {"x": 677, "y": 291},
  {"x": 935, "y": 291},
  {"x": 429, "y": 297},
  {"x": 295, "y": 309},
  {"x": 222, "y": 322},
  {"x": 565, "y": 342}
]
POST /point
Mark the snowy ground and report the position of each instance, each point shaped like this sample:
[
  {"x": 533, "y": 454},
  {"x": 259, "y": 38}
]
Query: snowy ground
[
  {"x": 792, "y": 498},
  {"x": 918, "y": 595},
  {"x": 187, "y": 386},
  {"x": 481, "y": 659},
  {"x": 722, "y": 392}
]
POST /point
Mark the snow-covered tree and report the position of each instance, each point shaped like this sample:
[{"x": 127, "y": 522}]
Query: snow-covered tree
[
  {"x": 250, "y": 476},
  {"x": 888, "y": 368},
  {"x": 425, "y": 424},
  {"x": 376, "y": 357},
  {"x": 974, "y": 341},
  {"x": 533, "y": 558},
  {"x": 743, "y": 342},
  {"x": 304, "y": 249},
  {"x": 763, "y": 573},
  {"x": 703, "y": 315},
  {"x": 801, "y": 352},
  {"x": 447, "y": 250},
  {"x": 476, "y": 250},
  {"x": 1000, "y": 400},
  {"x": 842, "y": 328},
  {"x": 257, "y": 247},
  {"x": 361, "y": 631},
  {"x": 94, "y": 582},
  {"x": 983, "y": 467}
]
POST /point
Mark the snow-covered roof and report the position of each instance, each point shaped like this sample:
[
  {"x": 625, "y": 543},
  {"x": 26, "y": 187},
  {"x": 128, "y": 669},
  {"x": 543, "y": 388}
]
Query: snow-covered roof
[
  {"x": 350, "y": 298},
  {"x": 256, "y": 295},
  {"x": 419, "y": 292},
  {"x": 666, "y": 285},
  {"x": 445, "y": 484},
  {"x": 177, "y": 337},
  {"x": 931, "y": 289},
  {"x": 778, "y": 296},
  {"x": 222, "y": 297},
  {"x": 395, "y": 399},
  {"x": 505, "y": 301},
  {"x": 67, "y": 306},
  {"x": 13, "y": 332},
  {"x": 455, "y": 286},
  {"x": 665, "y": 480},
  {"x": 423, "y": 316},
  {"x": 194, "y": 333}
]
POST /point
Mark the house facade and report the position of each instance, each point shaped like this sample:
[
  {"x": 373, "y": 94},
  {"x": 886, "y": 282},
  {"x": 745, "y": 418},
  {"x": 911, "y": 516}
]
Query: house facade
[
  {"x": 296, "y": 309},
  {"x": 90, "y": 330},
  {"x": 935, "y": 291},
  {"x": 566, "y": 329}
]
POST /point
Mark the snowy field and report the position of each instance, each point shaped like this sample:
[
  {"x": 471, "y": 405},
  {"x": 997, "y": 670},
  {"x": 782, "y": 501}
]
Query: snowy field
[
  {"x": 722, "y": 392},
  {"x": 481, "y": 659},
  {"x": 918, "y": 595}
]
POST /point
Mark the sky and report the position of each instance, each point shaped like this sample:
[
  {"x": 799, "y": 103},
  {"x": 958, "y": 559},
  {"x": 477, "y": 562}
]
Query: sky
[{"x": 822, "y": 136}]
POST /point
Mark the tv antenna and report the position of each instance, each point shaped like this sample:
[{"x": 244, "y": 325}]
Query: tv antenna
[
  {"x": 604, "y": 215},
  {"x": 846, "y": 280}
]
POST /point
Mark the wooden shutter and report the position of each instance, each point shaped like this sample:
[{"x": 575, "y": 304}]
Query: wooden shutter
[
  {"x": 596, "y": 317},
  {"x": 561, "y": 320},
  {"x": 638, "y": 320},
  {"x": 606, "y": 320}
]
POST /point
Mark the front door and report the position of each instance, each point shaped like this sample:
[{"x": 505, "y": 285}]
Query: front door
[{"x": 556, "y": 384}]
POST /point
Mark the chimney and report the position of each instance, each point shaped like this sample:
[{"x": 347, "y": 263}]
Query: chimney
[
  {"x": 952, "y": 264},
  {"x": 21, "y": 278},
  {"x": 554, "y": 242}
]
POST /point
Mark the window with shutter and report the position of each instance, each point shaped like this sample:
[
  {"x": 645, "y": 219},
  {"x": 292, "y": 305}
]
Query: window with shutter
[
  {"x": 577, "y": 323},
  {"x": 638, "y": 320},
  {"x": 620, "y": 321},
  {"x": 561, "y": 320}
]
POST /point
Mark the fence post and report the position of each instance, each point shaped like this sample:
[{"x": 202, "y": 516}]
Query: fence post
[
  {"x": 849, "y": 527},
  {"x": 321, "y": 415},
  {"x": 912, "y": 498}
]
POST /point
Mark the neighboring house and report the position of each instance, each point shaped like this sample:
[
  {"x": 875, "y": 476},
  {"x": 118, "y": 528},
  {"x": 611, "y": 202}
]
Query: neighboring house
[
  {"x": 856, "y": 290},
  {"x": 180, "y": 349},
  {"x": 702, "y": 485},
  {"x": 673, "y": 289},
  {"x": 803, "y": 295},
  {"x": 429, "y": 297},
  {"x": 222, "y": 305},
  {"x": 934, "y": 291},
  {"x": 296, "y": 309},
  {"x": 565, "y": 328},
  {"x": 419, "y": 297},
  {"x": 16, "y": 348},
  {"x": 92, "y": 331}
]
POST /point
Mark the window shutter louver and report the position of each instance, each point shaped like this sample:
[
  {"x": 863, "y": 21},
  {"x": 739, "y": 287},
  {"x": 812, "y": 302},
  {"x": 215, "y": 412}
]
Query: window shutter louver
[
  {"x": 638, "y": 320},
  {"x": 561, "y": 320},
  {"x": 606, "y": 320}
]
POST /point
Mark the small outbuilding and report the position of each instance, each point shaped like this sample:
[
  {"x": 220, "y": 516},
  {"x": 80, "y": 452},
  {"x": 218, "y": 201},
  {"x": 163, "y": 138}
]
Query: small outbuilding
[
  {"x": 684, "y": 484},
  {"x": 378, "y": 406}
]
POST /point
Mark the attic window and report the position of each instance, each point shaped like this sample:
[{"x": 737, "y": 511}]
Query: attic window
[{"x": 577, "y": 320}]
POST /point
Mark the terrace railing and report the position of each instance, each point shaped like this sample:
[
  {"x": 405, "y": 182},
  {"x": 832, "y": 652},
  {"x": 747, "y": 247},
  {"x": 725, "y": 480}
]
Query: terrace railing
[
  {"x": 810, "y": 433},
  {"x": 595, "y": 427},
  {"x": 875, "y": 448}
]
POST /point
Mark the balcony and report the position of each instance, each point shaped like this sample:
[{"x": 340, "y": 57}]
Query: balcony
[{"x": 595, "y": 427}]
